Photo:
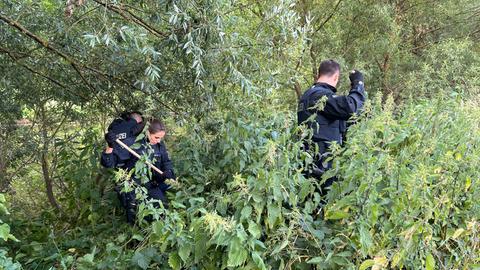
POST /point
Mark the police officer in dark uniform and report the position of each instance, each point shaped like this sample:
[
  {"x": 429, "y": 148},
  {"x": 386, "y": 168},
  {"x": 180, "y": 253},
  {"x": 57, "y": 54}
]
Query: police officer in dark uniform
[
  {"x": 126, "y": 128},
  {"x": 157, "y": 153},
  {"x": 326, "y": 113}
]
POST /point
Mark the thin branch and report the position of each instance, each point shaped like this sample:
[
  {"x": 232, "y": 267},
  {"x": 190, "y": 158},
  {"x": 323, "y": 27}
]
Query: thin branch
[
  {"x": 49, "y": 47},
  {"x": 82, "y": 17},
  {"x": 50, "y": 79},
  {"x": 329, "y": 17},
  {"x": 37, "y": 39},
  {"x": 130, "y": 16},
  {"x": 76, "y": 66}
]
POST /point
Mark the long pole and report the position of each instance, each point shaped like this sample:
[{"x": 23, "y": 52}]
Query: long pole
[{"x": 138, "y": 156}]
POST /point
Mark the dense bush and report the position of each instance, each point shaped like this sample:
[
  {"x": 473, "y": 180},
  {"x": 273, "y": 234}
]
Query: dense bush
[
  {"x": 225, "y": 76},
  {"x": 405, "y": 196},
  {"x": 409, "y": 185}
]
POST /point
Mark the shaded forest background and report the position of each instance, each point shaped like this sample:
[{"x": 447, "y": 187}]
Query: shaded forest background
[{"x": 225, "y": 77}]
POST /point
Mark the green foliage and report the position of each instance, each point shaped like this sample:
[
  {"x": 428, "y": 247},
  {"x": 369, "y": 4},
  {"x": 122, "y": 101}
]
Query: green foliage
[
  {"x": 6, "y": 262},
  {"x": 252, "y": 208},
  {"x": 450, "y": 67},
  {"x": 407, "y": 182},
  {"x": 5, "y": 234},
  {"x": 224, "y": 76}
]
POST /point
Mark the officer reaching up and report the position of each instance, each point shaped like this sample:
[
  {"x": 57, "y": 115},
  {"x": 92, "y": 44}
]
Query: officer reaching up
[{"x": 328, "y": 120}]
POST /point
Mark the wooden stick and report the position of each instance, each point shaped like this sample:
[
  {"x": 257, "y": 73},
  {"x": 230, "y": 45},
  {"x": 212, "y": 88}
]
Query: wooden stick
[{"x": 138, "y": 156}]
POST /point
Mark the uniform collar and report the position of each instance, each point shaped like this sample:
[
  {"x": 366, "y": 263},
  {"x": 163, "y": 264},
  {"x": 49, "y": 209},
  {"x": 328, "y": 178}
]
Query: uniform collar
[{"x": 325, "y": 85}]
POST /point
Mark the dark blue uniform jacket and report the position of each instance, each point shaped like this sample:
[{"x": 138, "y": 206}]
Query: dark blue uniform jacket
[
  {"x": 329, "y": 124},
  {"x": 159, "y": 158},
  {"x": 126, "y": 130}
]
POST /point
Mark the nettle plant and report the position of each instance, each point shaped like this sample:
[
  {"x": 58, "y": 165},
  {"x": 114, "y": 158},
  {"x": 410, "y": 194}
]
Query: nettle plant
[
  {"x": 408, "y": 186},
  {"x": 243, "y": 201},
  {"x": 404, "y": 199}
]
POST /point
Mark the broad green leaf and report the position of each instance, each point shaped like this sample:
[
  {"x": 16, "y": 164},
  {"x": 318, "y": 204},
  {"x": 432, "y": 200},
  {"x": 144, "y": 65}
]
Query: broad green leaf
[
  {"x": 4, "y": 232},
  {"x": 365, "y": 239},
  {"x": 157, "y": 227},
  {"x": 366, "y": 264},
  {"x": 273, "y": 214},
  {"x": 174, "y": 261},
  {"x": 254, "y": 229},
  {"x": 246, "y": 213},
  {"x": 140, "y": 260},
  {"x": 237, "y": 254},
  {"x": 3, "y": 209},
  {"x": 138, "y": 237},
  {"x": 184, "y": 251},
  {"x": 201, "y": 246},
  {"x": 430, "y": 262},
  {"x": 121, "y": 238}
]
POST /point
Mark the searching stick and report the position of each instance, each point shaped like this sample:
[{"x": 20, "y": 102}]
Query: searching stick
[{"x": 138, "y": 156}]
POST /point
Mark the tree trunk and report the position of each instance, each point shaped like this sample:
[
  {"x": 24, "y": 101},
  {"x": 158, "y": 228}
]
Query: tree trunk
[
  {"x": 48, "y": 182},
  {"x": 44, "y": 162},
  {"x": 3, "y": 168},
  {"x": 298, "y": 90}
]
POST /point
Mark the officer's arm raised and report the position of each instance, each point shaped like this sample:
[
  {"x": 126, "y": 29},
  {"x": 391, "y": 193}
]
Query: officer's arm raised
[{"x": 342, "y": 107}]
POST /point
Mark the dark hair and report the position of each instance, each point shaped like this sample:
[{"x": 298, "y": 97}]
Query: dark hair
[
  {"x": 156, "y": 126},
  {"x": 129, "y": 114},
  {"x": 136, "y": 112},
  {"x": 328, "y": 68}
]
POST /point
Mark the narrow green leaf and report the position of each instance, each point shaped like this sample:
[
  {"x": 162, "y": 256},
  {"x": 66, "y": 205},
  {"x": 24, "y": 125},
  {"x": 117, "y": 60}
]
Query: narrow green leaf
[
  {"x": 457, "y": 233},
  {"x": 316, "y": 260},
  {"x": 258, "y": 261},
  {"x": 336, "y": 214}
]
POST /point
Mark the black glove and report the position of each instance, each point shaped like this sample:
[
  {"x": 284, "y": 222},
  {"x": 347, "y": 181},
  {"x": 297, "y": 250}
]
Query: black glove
[
  {"x": 110, "y": 138},
  {"x": 157, "y": 177},
  {"x": 355, "y": 77}
]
